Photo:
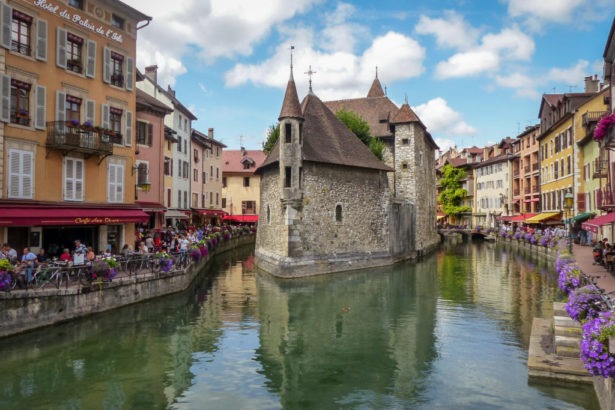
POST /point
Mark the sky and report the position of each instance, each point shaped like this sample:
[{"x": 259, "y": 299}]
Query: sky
[{"x": 473, "y": 70}]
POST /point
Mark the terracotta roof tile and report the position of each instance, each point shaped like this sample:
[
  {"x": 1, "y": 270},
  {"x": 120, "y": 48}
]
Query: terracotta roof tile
[
  {"x": 233, "y": 161},
  {"x": 405, "y": 115},
  {"x": 376, "y": 89},
  {"x": 290, "y": 105},
  {"x": 377, "y": 111}
]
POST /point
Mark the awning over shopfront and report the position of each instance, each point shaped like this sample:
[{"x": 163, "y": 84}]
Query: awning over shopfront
[
  {"x": 154, "y": 207},
  {"x": 544, "y": 217},
  {"x": 581, "y": 217},
  {"x": 516, "y": 218},
  {"x": 174, "y": 213},
  {"x": 41, "y": 216},
  {"x": 210, "y": 212},
  {"x": 241, "y": 218},
  {"x": 593, "y": 225}
]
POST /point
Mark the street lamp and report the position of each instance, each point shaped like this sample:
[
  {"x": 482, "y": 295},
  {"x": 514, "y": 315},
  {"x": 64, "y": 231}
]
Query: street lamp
[{"x": 568, "y": 206}]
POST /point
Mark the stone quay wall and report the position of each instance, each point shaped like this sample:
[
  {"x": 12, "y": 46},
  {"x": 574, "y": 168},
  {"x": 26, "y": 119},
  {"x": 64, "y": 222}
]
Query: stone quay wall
[{"x": 22, "y": 311}]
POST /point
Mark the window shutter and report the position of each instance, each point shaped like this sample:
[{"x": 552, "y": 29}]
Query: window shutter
[
  {"x": 40, "y": 112},
  {"x": 90, "y": 66},
  {"x": 581, "y": 202},
  {"x": 119, "y": 183},
  {"x": 7, "y": 21},
  {"x": 111, "y": 183},
  {"x": 128, "y": 131},
  {"x": 5, "y": 101},
  {"x": 104, "y": 121},
  {"x": 27, "y": 170},
  {"x": 61, "y": 48},
  {"x": 90, "y": 106},
  {"x": 41, "y": 40},
  {"x": 21, "y": 166},
  {"x": 73, "y": 177},
  {"x": 107, "y": 65},
  {"x": 130, "y": 73},
  {"x": 60, "y": 106},
  {"x": 150, "y": 134}
]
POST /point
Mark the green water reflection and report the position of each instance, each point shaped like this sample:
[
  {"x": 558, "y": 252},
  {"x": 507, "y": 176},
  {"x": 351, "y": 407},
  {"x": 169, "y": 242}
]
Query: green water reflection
[{"x": 449, "y": 332}]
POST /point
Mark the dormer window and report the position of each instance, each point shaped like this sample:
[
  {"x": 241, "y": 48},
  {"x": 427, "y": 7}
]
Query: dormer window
[{"x": 117, "y": 21}]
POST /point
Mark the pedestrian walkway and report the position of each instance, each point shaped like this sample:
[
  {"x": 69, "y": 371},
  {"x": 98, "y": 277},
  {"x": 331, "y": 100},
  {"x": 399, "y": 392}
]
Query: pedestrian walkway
[{"x": 583, "y": 256}]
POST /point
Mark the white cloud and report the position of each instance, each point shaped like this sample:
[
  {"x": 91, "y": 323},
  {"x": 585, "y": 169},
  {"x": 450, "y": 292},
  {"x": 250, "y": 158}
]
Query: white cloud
[
  {"x": 562, "y": 78},
  {"x": 547, "y": 10},
  {"x": 441, "y": 119},
  {"x": 510, "y": 44},
  {"x": 445, "y": 144},
  {"x": 338, "y": 34},
  {"x": 338, "y": 74},
  {"x": 211, "y": 28},
  {"x": 451, "y": 31}
]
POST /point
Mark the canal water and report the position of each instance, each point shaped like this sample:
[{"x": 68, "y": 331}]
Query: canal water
[{"x": 450, "y": 331}]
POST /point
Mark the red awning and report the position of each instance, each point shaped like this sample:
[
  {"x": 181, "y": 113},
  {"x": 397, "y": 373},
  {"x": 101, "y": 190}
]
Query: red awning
[
  {"x": 515, "y": 200},
  {"x": 593, "y": 224},
  {"x": 241, "y": 218},
  {"x": 516, "y": 218},
  {"x": 210, "y": 212},
  {"x": 36, "y": 216}
]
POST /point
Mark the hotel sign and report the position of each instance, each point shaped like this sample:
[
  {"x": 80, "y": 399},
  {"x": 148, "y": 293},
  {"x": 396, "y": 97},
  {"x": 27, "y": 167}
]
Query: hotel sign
[{"x": 77, "y": 19}]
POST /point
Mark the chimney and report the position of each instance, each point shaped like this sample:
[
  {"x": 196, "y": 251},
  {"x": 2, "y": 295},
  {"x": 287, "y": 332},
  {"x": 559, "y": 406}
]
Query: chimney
[
  {"x": 243, "y": 152},
  {"x": 210, "y": 133},
  {"x": 151, "y": 72},
  {"x": 170, "y": 91},
  {"x": 592, "y": 84}
]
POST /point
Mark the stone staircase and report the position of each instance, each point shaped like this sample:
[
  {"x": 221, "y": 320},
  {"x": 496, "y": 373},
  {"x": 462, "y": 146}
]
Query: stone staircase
[{"x": 567, "y": 332}]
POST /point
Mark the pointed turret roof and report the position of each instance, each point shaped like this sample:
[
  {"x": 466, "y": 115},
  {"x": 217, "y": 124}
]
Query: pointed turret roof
[
  {"x": 290, "y": 106},
  {"x": 327, "y": 140},
  {"x": 376, "y": 89},
  {"x": 405, "y": 115}
]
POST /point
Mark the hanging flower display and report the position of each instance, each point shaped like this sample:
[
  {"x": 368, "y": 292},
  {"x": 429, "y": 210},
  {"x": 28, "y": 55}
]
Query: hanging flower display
[
  {"x": 594, "y": 345},
  {"x": 603, "y": 127},
  {"x": 585, "y": 303},
  {"x": 570, "y": 277}
]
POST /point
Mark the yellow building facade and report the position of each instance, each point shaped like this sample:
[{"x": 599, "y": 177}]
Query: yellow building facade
[{"x": 67, "y": 80}]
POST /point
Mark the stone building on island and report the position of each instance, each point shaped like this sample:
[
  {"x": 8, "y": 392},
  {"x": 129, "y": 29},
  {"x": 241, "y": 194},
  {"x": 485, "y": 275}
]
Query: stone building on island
[{"x": 326, "y": 201}]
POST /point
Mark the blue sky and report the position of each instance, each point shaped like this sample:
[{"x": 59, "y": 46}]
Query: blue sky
[{"x": 473, "y": 70}]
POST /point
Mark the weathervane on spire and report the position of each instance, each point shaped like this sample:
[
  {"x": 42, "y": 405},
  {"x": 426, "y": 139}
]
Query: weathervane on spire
[
  {"x": 376, "y": 71},
  {"x": 309, "y": 72},
  {"x": 406, "y": 98},
  {"x": 291, "y": 57}
]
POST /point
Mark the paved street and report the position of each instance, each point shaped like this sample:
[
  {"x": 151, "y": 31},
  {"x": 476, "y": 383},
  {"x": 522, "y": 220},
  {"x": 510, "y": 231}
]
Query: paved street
[{"x": 584, "y": 258}]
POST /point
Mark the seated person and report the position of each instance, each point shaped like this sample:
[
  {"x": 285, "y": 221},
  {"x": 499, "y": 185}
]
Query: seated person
[
  {"x": 65, "y": 256},
  {"x": 126, "y": 250},
  {"x": 42, "y": 257},
  {"x": 90, "y": 256}
]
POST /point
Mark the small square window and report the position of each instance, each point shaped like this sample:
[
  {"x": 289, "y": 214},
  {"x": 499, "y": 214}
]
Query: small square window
[
  {"x": 404, "y": 165},
  {"x": 117, "y": 21},
  {"x": 405, "y": 141},
  {"x": 78, "y": 4}
]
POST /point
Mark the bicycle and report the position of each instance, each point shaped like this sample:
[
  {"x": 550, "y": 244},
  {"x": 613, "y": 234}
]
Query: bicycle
[{"x": 48, "y": 274}]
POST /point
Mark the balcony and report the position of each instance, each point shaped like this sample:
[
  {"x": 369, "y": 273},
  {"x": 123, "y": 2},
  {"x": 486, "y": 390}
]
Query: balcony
[
  {"x": 535, "y": 167},
  {"x": 527, "y": 190},
  {"x": 516, "y": 192},
  {"x": 67, "y": 137},
  {"x": 592, "y": 117},
  {"x": 527, "y": 169},
  {"x": 605, "y": 199},
  {"x": 601, "y": 168},
  {"x": 516, "y": 173}
]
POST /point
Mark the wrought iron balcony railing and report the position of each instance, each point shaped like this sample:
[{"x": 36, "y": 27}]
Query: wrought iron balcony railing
[
  {"x": 601, "y": 168},
  {"x": 67, "y": 136}
]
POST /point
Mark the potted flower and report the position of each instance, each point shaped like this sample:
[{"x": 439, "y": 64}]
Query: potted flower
[
  {"x": 585, "y": 303},
  {"x": 5, "y": 274},
  {"x": 87, "y": 125},
  {"x": 112, "y": 264},
  {"x": 195, "y": 253},
  {"x": 164, "y": 261},
  {"x": 569, "y": 277},
  {"x": 594, "y": 345}
]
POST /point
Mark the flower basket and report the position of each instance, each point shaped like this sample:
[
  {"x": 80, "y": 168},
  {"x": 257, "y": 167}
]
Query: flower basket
[
  {"x": 5, "y": 280},
  {"x": 164, "y": 261},
  {"x": 603, "y": 127},
  {"x": 195, "y": 254},
  {"x": 569, "y": 276},
  {"x": 594, "y": 345},
  {"x": 203, "y": 250},
  {"x": 585, "y": 303}
]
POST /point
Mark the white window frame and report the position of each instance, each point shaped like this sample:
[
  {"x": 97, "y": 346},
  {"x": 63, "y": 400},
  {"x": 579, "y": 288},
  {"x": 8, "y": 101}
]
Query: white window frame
[
  {"x": 20, "y": 181},
  {"x": 115, "y": 183},
  {"x": 77, "y": 194}
]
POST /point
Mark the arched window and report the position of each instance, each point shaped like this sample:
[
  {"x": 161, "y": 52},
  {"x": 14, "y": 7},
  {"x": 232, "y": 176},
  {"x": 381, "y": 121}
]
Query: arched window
[
  {"x": 268, "y": 215},
  {"x": 338, "y": 213}
]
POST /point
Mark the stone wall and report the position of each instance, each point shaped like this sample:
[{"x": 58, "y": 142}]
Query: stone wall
[
  {"x": 322, "y": 244},
  {"x": 26, "y": 310},
  {"x": 416, "y": 180}
]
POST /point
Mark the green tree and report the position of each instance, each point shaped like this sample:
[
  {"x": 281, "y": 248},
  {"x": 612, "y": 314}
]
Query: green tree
[
  {"x": 360, "y": 128},
  {"x": 273, "y": 133},
  {"x": 452, "y": 194}
]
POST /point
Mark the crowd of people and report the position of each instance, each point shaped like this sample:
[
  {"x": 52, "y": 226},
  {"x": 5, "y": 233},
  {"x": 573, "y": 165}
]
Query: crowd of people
[{"x": 146, "y": 242}]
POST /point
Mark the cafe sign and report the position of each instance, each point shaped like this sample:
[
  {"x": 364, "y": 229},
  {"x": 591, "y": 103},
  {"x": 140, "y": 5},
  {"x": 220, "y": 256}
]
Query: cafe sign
[
  {"x": 77, "y": 19},
  {"x": 95, "y": 221}
]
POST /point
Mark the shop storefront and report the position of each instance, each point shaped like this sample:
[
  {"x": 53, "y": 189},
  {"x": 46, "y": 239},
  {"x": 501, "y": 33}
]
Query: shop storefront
[
  {"x": 56, "y": 228},
  {"x": 201, "y": 217}
]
